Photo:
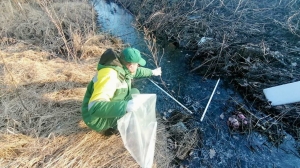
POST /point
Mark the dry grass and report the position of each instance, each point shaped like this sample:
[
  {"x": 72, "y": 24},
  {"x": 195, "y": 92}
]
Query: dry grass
[
  {"x": 42, "y": 91},
  {"x": 41, "y": 124},
  {"x": 59, "y": 26},
  {"x": 81, "y": 149}
]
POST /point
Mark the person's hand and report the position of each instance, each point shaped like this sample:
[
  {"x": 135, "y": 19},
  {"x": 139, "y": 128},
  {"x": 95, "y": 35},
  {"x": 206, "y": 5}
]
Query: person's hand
[
  {"x": 131, "y": 106},
  {"x": 156, "y": 72}
]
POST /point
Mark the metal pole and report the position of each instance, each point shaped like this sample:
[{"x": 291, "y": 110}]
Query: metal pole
[{"x": 171, "y": 97}]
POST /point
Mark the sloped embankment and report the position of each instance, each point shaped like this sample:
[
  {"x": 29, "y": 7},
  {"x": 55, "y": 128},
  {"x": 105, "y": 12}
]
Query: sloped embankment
[{"x": 48, "y": 53}]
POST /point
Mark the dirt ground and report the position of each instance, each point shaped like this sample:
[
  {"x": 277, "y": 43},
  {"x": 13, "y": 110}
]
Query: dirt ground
[{"x": 49, "y": 53}]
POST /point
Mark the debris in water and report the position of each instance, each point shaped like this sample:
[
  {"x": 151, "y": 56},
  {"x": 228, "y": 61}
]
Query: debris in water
[
  {"x": 233, "y": 122},
  {"x": 238, "y": 121},
  {"x": 212, "y": 153},
  {"x": 222, "y": 116}
]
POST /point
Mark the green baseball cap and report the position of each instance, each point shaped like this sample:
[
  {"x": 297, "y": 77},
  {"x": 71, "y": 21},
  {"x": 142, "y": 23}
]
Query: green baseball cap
[{"x": 133, "y": 55}]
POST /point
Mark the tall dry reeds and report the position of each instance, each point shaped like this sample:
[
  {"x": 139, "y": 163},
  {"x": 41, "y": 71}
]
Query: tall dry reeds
[
  {"x": 41, "y": 88},
  {"x": 59, "y": 26}
]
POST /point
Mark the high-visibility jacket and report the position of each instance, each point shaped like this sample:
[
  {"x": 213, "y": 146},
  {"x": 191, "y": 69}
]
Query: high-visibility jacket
[{"x": 107, "y": 95}]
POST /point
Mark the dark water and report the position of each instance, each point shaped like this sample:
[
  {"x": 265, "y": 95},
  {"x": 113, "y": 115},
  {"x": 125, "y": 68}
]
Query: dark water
[{"x": 232, "y": 149}]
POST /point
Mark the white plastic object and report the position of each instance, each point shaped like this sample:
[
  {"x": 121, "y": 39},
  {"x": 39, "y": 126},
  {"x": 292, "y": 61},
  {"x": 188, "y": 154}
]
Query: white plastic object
[
  {"x": 283, "y": 94},
  {"x": 131, "y": 106},
  {"x": 138, "y": 129},
  {"x": 207, "y": 105},
  {"x": 171, "y": 96}
]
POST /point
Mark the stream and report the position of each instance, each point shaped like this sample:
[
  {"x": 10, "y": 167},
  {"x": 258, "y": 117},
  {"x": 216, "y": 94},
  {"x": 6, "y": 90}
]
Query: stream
[{"x": 230, "y": 149}]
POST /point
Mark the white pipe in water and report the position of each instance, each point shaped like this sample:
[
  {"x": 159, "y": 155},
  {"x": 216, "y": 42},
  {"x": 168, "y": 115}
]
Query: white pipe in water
[{"x": 209, "y": 100}]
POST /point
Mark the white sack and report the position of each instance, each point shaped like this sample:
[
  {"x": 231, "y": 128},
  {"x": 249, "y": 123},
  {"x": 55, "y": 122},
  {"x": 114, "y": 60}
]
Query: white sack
[{"x": 138, "y": 129}]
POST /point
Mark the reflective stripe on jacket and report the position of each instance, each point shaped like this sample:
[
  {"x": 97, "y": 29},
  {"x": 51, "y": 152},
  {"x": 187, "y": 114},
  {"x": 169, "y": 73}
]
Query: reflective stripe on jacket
[{"x": 106, "y": 98}]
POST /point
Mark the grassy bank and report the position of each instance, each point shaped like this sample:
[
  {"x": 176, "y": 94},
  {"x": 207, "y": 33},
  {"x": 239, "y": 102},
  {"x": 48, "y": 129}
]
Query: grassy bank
[{"x": 49, "y": 52}]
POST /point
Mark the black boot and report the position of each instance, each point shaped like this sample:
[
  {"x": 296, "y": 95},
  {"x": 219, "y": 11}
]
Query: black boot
[{"x": 110, "y": 131}]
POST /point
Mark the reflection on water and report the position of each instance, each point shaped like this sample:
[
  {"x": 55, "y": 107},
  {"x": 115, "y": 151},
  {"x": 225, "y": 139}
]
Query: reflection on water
[
  {"x": 231, "y": 149},
  {"x": 116, "y": 21}
]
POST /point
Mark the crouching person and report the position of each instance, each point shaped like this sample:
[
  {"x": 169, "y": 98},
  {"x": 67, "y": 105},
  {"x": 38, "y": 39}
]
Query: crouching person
[{"x": 108, "y": 95}]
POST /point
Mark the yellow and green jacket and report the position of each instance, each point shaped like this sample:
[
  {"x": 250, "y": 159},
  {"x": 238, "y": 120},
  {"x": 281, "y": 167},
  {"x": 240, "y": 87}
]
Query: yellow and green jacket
[{"x": 108, "y": 93}]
